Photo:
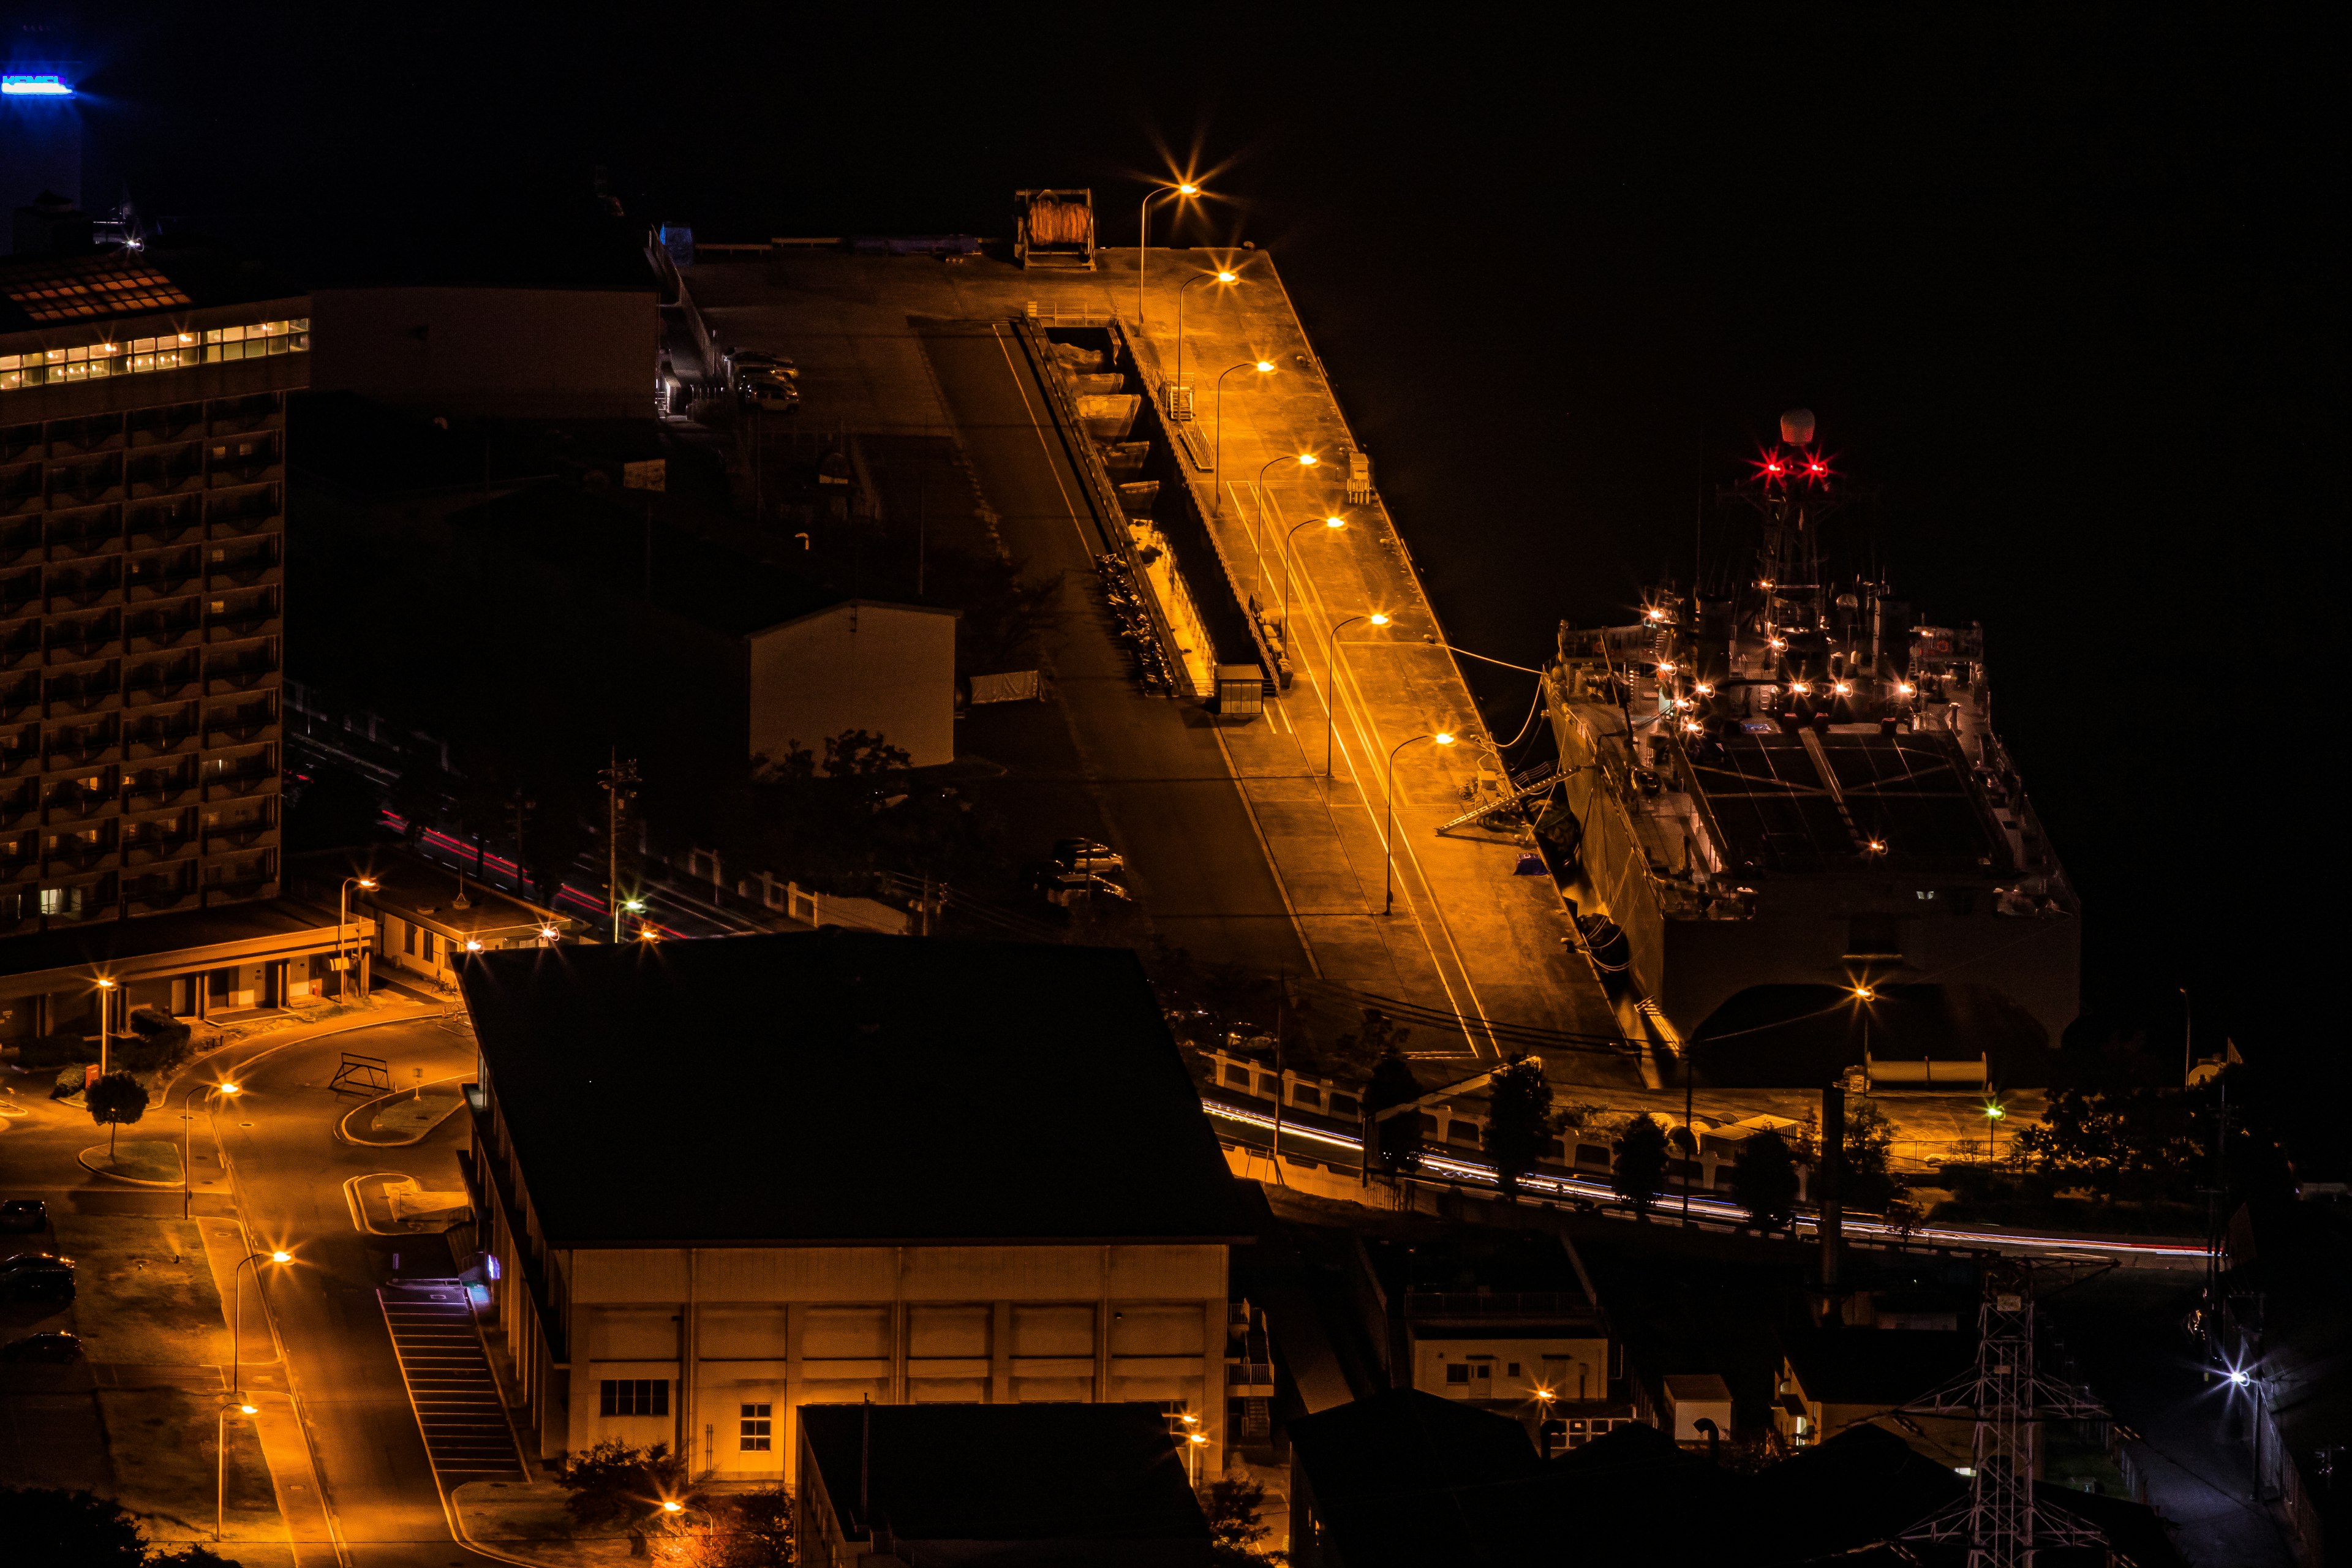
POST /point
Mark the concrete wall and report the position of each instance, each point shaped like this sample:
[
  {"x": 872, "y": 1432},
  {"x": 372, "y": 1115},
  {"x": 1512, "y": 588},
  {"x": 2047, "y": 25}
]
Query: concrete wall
[
  {"x": 884, "y": 668},
  {"x": 781, "y": 1327},
  {"x": 517, "y": 353}
]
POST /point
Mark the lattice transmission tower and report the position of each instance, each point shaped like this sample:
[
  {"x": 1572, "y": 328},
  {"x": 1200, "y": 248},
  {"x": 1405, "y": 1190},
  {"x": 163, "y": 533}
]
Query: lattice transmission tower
[{"x": 2002, "y": 1521}]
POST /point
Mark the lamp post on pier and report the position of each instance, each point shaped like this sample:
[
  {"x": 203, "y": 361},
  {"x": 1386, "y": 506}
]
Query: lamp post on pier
[
  {"x": 1331, "y": 673},
  {"x": 1222, "y": 275},
  {"x": 1143, "y": 238},
  {"x": 1388, "y": 836},
  {"x": 1217, "y": 462},
  {"x": 1331, "y": 525}
]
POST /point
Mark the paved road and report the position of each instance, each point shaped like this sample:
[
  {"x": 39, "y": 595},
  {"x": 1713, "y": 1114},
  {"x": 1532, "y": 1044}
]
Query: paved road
[
  {"x": 1151, "y": 768},
  {"x": 290, "y": 1170}
]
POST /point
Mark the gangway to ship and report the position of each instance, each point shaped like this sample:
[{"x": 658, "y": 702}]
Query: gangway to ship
[{"x": 1525, "y": 785}]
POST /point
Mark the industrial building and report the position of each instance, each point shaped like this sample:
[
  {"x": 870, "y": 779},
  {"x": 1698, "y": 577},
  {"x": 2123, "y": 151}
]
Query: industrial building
[{"x": 725, "y": 1179}]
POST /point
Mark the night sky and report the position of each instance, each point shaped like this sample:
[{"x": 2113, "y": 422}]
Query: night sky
[{"x": 2061, "y": 289}]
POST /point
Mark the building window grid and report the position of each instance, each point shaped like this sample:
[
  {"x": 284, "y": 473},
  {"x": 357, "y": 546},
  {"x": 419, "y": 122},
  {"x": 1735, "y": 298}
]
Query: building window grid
[
  {"x": 633, "y": 1396},
  {"x": 138, "y": 356},
  {"x": 755, "y": 1429}
]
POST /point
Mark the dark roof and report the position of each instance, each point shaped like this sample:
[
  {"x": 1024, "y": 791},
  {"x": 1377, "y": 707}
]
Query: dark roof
[
  {"x": 110, "y": 283},
  {"x": 90, "y": 946},
  {"x": 836, "y": 1086},
  {"x": 1406, "y": 1477},
  {"x": 1034, "y": 1474},
  {"x": 600, "y": 540},
  {"x": 1876, "y": 1366}
]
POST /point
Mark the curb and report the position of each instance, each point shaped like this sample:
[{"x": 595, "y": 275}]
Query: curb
[
  {"x": 337, "y": 1026},
  {"x": 343, "y": 1126},
  {"x": 117, "y": 1175}
]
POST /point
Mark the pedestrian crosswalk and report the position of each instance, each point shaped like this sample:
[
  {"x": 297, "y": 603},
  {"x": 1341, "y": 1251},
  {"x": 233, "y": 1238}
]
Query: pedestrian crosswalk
[{"x": 450, "y": 1385}]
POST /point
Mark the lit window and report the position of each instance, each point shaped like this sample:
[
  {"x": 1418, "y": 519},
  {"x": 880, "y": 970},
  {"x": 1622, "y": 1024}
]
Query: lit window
[{"x": 754, "y": 1426}]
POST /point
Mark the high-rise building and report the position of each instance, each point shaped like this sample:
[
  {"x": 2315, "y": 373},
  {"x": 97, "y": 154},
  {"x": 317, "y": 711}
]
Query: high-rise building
[{"x": 142, "y": 416}]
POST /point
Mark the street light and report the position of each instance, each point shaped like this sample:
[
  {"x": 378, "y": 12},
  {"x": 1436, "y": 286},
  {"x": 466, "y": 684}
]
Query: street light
[
  {"x": 342, "y": 905},
  {"x": 630, "y": 906},
  {"x": 1217, "y": 461},
  {"x": 1330, "y": 525},
  {"x": 236, "y": 1402},
  {"x": 1331, "y": 673},
  {"x": 1993, "y": 1114},
  {"x": 1305, "y": 460},
  {"x": 236, "y": 1327},
  {"x": 105, "y": 1012},
  {"x": 1223, "y": 276},
  {"x": 187, "y": 1115},
  {"x": 1388, "y": 838},
  {"x": 1143, "y": 238}
]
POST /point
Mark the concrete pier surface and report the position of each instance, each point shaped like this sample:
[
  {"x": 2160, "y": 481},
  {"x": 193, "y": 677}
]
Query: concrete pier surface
[{"x": 1241, "y": 850}]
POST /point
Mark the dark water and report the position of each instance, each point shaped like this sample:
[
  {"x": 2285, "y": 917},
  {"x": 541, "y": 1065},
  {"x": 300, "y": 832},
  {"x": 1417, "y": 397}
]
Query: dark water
[{"x": 2059, "y": 290}]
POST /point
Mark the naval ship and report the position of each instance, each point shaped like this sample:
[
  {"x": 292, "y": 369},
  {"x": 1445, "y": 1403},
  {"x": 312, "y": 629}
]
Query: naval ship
[{"x": 1784, "y": 789}]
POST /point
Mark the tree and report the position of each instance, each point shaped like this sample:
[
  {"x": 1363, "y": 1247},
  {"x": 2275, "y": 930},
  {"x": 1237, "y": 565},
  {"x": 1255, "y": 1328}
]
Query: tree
[
  {"x": 746, "y": 1529},
  {"x": 2138, "y": 1143},
  {"x": 115, "y": 1101},
  {"x": 617, "y": 1483},
  {"x": 1764, "y": 1180},
  {"x": 51, "y": 1529},
  {"x": 1640, "y": 1172},
  {"x": 1233, "y": 1528},
  {"x": 1396, "y": 1142},
  {"x": 1520, "y": 1119},
  {"x": 1869, "y": 1186}
]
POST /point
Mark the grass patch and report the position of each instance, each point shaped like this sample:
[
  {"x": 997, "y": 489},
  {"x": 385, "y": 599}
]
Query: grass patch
[
  {"x": 146, "y": 1291},
  {"x": 161, "y": 1440},
  {"x": 527, "y": 1521},
  {"x": 141, "y": 1160},
  {"x": 412, "y": 1116}
]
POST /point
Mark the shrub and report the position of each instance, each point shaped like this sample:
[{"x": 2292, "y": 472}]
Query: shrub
[
  {"x": 56, "y": 1050},
  {"x": 69, "y": 1081}
]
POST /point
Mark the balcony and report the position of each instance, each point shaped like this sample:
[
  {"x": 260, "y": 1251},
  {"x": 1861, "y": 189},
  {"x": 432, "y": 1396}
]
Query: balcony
[
  {"x": 20, "y": 644},
  {"x": 160, "y": 426},
  {"x": 157, "y": 845},
  {"x": 236, "y": 782},
  {"x": 243, "y": 672},
  {"x": 246, "y": 721},
  {"x": 83, "y": 745},
  {"x": 20, "y": 539},
  {"x": 80, "y": 437},
  {"x": 152, "y": 787},
  {"x": 241, "y": 831},
  {"x": 160, "y": 576},
  {"x": 80, "y": 693},
  {"x": 17, "y": 696},
  {"x": 19, "y": 442},
  {"x": 72, "y": 855},
  {"x": 242, "y": 566},
  {"x": 165, "y": 522},
  {"x": 88, "y": 482},
  {"x": 161, "y": 734},
  {"x": 149, "y": 631},
  {"x": 238, "y": 415},
  {"x": 21, "y": 750},
  {"x": 20, "y": 490},
  {"x": 161, "y": 890},
  {"x": 19, "y": 804},
  {"x": 235, "y": 514},
  {"x": 160, "y": 681},
  {"x": 73, "y": 534},
  {"x": 85, "y": 589},
  {"x": 94, "y": 636},
  {"x": 17, "y": 591},
  {"x": 72, "y": 801},
  {"x": 167, "y": 470},
  {"x": 243, "y": 877},
  {"x": 242, "y": 459}
]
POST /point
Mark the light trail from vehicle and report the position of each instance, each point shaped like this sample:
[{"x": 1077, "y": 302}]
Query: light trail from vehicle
[{"x": 1713, "y": 1208}]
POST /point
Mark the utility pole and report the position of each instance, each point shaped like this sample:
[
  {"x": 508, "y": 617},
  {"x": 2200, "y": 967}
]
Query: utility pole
[
  {"x": 619, "y": 779},
  {"x": 1281, "y": 1078}
]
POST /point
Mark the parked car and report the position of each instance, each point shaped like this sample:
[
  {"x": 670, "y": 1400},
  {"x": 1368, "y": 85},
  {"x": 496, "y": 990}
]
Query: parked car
[
  {"x": 38, "y": 1276},
  {"x": 768, "y": 389},
  {"x": 746, "y": 362},
  {"x": 56, "y": 1347},
  {"x": 23, "y": 1214},
  {"x": 1086, "y": 855}
]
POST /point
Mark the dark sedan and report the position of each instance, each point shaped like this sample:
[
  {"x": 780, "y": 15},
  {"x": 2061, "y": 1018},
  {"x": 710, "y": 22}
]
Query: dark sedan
[{"x": 56, "y": 1348}]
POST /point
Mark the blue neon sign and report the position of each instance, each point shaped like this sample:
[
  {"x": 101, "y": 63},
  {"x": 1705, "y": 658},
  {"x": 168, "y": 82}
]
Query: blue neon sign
[{"x": 34, "y": 86}]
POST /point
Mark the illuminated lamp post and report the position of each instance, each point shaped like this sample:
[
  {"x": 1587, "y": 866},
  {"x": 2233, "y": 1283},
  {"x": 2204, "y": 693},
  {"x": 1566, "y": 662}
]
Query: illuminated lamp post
[
  {"x": 186, "y": 1116},
  {"x": 236, "y": 1402},
  {"x": 342, "y": 917},
  {"x": 1388, "y": 838},
  {"x": 1305, "y": 460},
  {"x": 1993, "y": 1114},
  {"x": 1222, "y": 275},
  {"x": 105, "y": 1017},
  {"x": 1143, "y": 238},
  {"x": 1331, "y": 673},
  {"x": 1330, "y": 525},
  {"x": 1217, "y": 461},
  {"x": 236, "y": 1329}
]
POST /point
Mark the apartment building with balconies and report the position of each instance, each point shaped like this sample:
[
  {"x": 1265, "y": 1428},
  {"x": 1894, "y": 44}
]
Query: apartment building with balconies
[{"x": 142, "y": 422}]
